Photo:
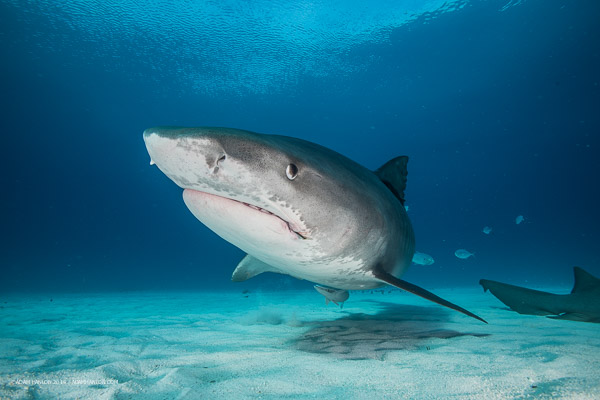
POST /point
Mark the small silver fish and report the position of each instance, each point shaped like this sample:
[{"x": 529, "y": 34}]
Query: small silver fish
[
  {"x": 519, "y": 219},
  {"x": 422, "y": 259},
  {"x": 487, "y": 230},
  {"x": 462, "y": 253}
]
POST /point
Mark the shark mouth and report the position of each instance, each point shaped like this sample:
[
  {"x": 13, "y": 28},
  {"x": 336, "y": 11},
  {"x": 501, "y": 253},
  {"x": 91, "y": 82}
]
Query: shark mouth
[
  {"x": 301, "y": 235},
  {"x": 192, "y": 193}
]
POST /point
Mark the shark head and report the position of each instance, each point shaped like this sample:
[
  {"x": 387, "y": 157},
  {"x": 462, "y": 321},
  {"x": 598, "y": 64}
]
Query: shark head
[
  {"x": 224, "y": 175},
  {"x": 288, "y": 202}
]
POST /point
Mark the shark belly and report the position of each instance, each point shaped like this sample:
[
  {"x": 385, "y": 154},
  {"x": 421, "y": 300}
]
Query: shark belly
[{"x": 270, "y": 239}]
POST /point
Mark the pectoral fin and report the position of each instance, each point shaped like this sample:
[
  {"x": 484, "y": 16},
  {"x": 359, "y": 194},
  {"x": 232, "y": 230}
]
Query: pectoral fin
[
  {"x": 249, "y": 267},
  {"x": 572, "y": 317}
]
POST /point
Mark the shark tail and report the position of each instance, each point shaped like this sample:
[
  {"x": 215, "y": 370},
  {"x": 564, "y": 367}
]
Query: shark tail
[{"x": 419, "y": 291}]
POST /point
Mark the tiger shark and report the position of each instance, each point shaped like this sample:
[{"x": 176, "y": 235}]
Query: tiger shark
[{"x": 294, "y": 207}]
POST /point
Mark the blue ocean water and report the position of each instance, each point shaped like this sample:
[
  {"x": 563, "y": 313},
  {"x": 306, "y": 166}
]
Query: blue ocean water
[{"x": 497, "y": 104}]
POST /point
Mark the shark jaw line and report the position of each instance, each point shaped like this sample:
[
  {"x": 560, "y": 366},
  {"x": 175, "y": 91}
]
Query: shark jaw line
[{"x": 291, "y": 227}]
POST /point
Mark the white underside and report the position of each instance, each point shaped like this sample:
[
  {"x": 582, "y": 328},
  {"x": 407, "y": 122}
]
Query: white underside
[
  {"x": 270, "y": 239},
  {"x": 249, "y": 229}
]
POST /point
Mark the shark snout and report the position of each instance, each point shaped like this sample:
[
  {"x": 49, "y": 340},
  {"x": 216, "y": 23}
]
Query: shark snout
[
  {"x": 159, "y": 148},
  {"x": 183, "y": 144},
  {"x": 193, "y": 160}
]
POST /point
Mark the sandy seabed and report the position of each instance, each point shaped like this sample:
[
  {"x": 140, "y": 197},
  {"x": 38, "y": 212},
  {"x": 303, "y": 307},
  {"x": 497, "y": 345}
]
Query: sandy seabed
[{"x": 288, "y": 344}]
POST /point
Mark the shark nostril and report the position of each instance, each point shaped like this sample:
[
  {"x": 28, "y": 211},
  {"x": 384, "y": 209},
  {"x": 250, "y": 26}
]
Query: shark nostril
[{"x": 218, "y": 163}]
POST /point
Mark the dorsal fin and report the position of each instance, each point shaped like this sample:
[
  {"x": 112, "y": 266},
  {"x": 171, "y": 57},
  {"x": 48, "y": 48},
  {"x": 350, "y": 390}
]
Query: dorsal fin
[
  {"x": 393, "y": 173},
  {"x": 249, "y": 267},
  {"x": 584, "y": 281}
]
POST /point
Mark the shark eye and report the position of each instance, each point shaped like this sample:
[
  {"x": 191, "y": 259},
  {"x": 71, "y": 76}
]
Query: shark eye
[
  {"x": 291, "y": 172},
  {"x": 221, "y": 159}
]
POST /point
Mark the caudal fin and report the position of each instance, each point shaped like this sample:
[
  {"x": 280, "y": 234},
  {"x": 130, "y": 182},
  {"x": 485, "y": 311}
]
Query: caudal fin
[{"x": 409, "y": 287}]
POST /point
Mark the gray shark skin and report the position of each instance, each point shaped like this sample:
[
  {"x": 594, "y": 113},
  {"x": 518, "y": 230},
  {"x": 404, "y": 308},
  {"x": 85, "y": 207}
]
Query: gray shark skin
[
  {"x": 293, "y": 206},
  {"x": 582, "y": 304}
]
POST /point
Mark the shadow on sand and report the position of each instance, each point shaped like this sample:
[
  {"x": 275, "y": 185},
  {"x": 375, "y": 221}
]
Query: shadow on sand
[{"x": 359, "y": 336}]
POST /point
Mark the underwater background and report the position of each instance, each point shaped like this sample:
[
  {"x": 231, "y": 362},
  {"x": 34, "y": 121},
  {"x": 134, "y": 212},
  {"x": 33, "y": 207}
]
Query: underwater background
[{"x": 497, "y": 104}]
